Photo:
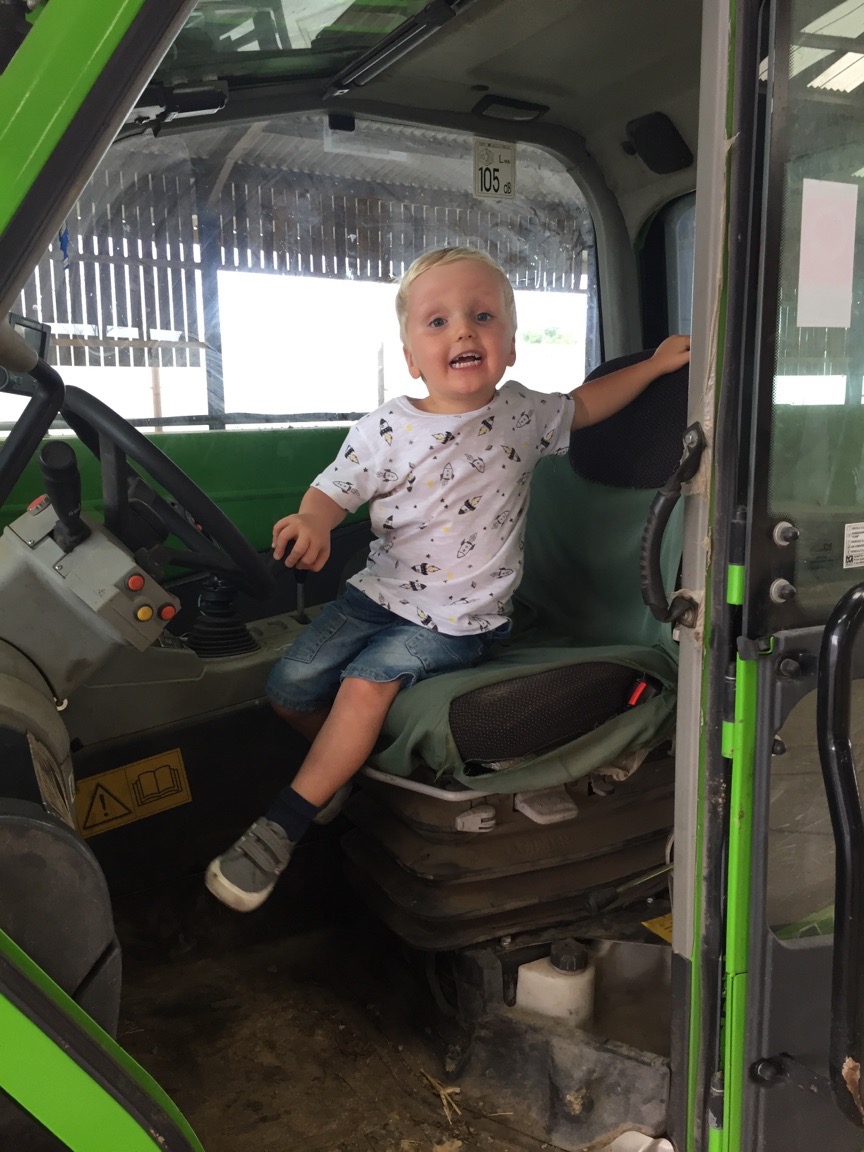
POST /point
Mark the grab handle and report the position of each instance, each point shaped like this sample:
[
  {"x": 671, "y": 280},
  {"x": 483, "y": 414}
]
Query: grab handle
[
  {"x": 653, "y": 590},
  {"x": 833, "y": 708}
]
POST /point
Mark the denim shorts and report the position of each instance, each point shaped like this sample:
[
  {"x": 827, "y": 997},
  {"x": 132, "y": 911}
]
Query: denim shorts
[{"x": 354, "y": 636}]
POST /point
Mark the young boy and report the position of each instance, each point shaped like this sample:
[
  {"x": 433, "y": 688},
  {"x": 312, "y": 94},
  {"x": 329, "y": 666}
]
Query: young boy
[{"x": 446, "y": 478}]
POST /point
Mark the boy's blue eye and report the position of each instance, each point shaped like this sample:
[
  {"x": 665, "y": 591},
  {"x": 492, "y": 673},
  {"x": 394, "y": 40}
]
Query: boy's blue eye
[
  {"x": 436, "y": 323},
  {"x": 484, "y": 315}
]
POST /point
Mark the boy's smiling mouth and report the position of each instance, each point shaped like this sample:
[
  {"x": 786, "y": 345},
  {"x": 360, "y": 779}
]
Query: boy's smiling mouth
[{"x": 466, "y": 360}]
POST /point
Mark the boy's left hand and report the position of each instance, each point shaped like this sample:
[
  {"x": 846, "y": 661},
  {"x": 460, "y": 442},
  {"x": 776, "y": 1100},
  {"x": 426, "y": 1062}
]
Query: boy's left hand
[{"x": 672, "y": 354}]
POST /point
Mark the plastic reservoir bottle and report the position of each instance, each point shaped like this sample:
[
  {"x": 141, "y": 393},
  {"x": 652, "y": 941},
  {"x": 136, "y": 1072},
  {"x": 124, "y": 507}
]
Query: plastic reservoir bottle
[
  {"x": 637, "y": 1142},
  {"x": 560, "y": 984}
]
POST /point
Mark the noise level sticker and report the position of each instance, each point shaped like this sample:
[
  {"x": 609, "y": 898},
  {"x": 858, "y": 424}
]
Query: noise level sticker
[
  {"x": 132, "y": 792},
  {"x": 853, "y": 545},
  {"x": 661, "y": 926}
]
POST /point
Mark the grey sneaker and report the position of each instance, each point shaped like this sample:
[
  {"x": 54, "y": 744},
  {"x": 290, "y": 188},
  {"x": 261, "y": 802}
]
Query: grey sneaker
[{"x": 244, "y": 876}]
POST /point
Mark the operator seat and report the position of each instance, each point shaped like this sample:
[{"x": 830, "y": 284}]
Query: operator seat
[{"x": 472, "y": 766}]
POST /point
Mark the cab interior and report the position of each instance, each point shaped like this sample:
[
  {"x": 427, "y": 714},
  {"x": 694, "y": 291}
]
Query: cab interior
[{"x": 221, "y": 280}]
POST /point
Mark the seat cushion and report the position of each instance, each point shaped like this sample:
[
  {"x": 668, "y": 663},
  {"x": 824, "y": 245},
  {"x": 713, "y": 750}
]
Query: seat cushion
[
  {"x": 539, "y": 711},
  {"x": 418, "y": 732}
]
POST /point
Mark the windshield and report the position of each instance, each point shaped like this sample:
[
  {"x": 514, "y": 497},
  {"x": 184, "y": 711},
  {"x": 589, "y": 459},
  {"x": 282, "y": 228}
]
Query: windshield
[{"x": 246, "y": 274}]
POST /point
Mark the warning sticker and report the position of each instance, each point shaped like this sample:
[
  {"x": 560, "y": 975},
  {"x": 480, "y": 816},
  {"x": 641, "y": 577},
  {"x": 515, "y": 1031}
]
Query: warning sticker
[
  {"x": 132, "y": 792},
  {"x": 853, "y": 545},
  {"x": 661, "y": 926}
]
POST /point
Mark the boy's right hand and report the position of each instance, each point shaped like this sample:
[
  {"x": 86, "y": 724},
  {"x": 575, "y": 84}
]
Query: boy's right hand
[{"x": 311, "y": 546}]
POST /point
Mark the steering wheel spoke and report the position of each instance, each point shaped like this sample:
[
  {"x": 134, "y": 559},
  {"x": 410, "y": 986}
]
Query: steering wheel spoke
[
  {"x": 115, "y": 485},
  {"x": 212, "y": 542}
]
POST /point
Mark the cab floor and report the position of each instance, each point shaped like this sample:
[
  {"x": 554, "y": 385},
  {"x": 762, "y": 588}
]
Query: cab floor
[{"x": 293, "y": 1028}]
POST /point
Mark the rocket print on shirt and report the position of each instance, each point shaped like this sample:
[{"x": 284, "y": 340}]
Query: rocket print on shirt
[{"x": 344, "y": 486}]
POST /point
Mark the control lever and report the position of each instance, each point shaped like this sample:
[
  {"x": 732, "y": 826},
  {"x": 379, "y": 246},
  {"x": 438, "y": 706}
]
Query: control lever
[
  {"x": 59, "y": 469},
  {"x": 300, "y": 575}
]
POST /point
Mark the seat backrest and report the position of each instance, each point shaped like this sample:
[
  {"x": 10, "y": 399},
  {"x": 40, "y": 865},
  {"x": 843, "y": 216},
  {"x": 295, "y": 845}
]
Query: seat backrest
[{"x": 581, "y": 584}]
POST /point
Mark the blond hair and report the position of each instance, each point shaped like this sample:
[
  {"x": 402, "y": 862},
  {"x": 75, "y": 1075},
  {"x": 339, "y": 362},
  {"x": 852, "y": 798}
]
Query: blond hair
[{"x": 448, "y": 256}]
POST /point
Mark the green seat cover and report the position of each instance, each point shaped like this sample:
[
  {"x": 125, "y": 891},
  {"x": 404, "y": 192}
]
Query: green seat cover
[{"x": 579, "y": 601}]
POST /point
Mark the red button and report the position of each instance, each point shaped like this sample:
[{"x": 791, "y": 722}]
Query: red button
[
  {"x": 167, "y": 612},
  {"x": 135, "y": 582}
]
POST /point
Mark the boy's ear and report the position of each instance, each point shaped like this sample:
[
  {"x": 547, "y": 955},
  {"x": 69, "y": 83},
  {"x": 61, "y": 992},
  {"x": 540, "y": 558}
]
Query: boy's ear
[
  {"x": 511, "y": 360},
  {"x": 413, "y": 370}
]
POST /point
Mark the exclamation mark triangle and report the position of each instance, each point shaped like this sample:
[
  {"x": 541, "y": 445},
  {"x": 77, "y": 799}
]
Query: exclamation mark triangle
[{"x": 103, "y": 808}]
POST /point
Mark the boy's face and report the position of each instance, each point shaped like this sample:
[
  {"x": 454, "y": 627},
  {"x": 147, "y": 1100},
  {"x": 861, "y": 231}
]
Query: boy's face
[{"x": 459, "y": 337}]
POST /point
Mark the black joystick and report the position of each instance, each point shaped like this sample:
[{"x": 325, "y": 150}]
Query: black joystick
[{"x": 59, "y": 469}]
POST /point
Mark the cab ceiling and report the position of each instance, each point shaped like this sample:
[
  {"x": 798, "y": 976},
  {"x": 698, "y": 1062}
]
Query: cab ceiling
[{"x": 595, "y": 65}]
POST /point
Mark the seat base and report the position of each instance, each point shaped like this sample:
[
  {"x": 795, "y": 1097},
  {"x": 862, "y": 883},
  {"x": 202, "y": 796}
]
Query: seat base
[{"x": 440, "y": 889}]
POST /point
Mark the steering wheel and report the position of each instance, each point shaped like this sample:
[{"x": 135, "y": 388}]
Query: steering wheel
[{"x": 143, "y": 520}]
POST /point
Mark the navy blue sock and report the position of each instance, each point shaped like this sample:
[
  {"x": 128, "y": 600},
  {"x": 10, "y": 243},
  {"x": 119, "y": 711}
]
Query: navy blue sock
[{"x": 290, "y": 811}]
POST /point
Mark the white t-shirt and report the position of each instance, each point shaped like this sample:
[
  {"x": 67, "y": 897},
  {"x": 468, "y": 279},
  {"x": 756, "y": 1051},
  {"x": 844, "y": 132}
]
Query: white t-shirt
[{"x": 448, "y": 496}]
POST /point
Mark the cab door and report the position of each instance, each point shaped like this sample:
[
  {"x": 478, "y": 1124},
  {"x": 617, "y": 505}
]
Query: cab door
[{"x": 771, "y": 951}]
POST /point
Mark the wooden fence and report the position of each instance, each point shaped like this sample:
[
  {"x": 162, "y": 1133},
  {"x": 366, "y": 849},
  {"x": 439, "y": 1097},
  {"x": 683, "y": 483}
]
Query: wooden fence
[{"x": 138, "y": 286}]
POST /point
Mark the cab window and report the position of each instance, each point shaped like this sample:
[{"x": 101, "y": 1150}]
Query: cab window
[{"x": 244, "y": 276}]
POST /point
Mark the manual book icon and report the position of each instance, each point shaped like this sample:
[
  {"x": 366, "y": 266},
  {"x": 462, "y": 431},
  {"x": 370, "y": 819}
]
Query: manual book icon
[{"x": 156, "y": 784}]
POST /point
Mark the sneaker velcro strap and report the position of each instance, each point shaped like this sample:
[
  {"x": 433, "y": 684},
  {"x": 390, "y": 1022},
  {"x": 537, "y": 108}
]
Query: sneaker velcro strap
[{"x": 265, "y": 848}]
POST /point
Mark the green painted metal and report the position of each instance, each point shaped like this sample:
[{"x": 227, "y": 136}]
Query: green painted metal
[
  {"x": 46, "y": 82},
  {"x": 735, "y": 584},
  {"x": 694, "y": 1035},
  {"x": 254, "y": 476},
  {"x": 48, "y": 1082},
  {"x": 715, "y": 1139},
  {"x": 738, "y": 908},
  {"x": 727, "y": 739}
]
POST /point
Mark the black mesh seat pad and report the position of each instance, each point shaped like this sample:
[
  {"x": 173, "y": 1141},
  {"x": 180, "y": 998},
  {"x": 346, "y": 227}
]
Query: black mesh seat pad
[{"x": 517, "y": 717}]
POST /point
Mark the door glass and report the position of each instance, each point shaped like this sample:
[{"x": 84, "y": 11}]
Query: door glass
[
  {"x": 816, "y": 474},
  {"x": 817, "y": 434}
]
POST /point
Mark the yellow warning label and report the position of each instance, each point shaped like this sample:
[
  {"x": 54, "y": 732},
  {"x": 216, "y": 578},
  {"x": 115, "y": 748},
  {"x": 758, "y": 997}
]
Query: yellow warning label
[
  {"x": 661, "y": 926},
  {"x": 132, "y": 792}
]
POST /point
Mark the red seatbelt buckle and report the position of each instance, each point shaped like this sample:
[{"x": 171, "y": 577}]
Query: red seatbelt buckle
[{"x": 645, "y": 688}]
